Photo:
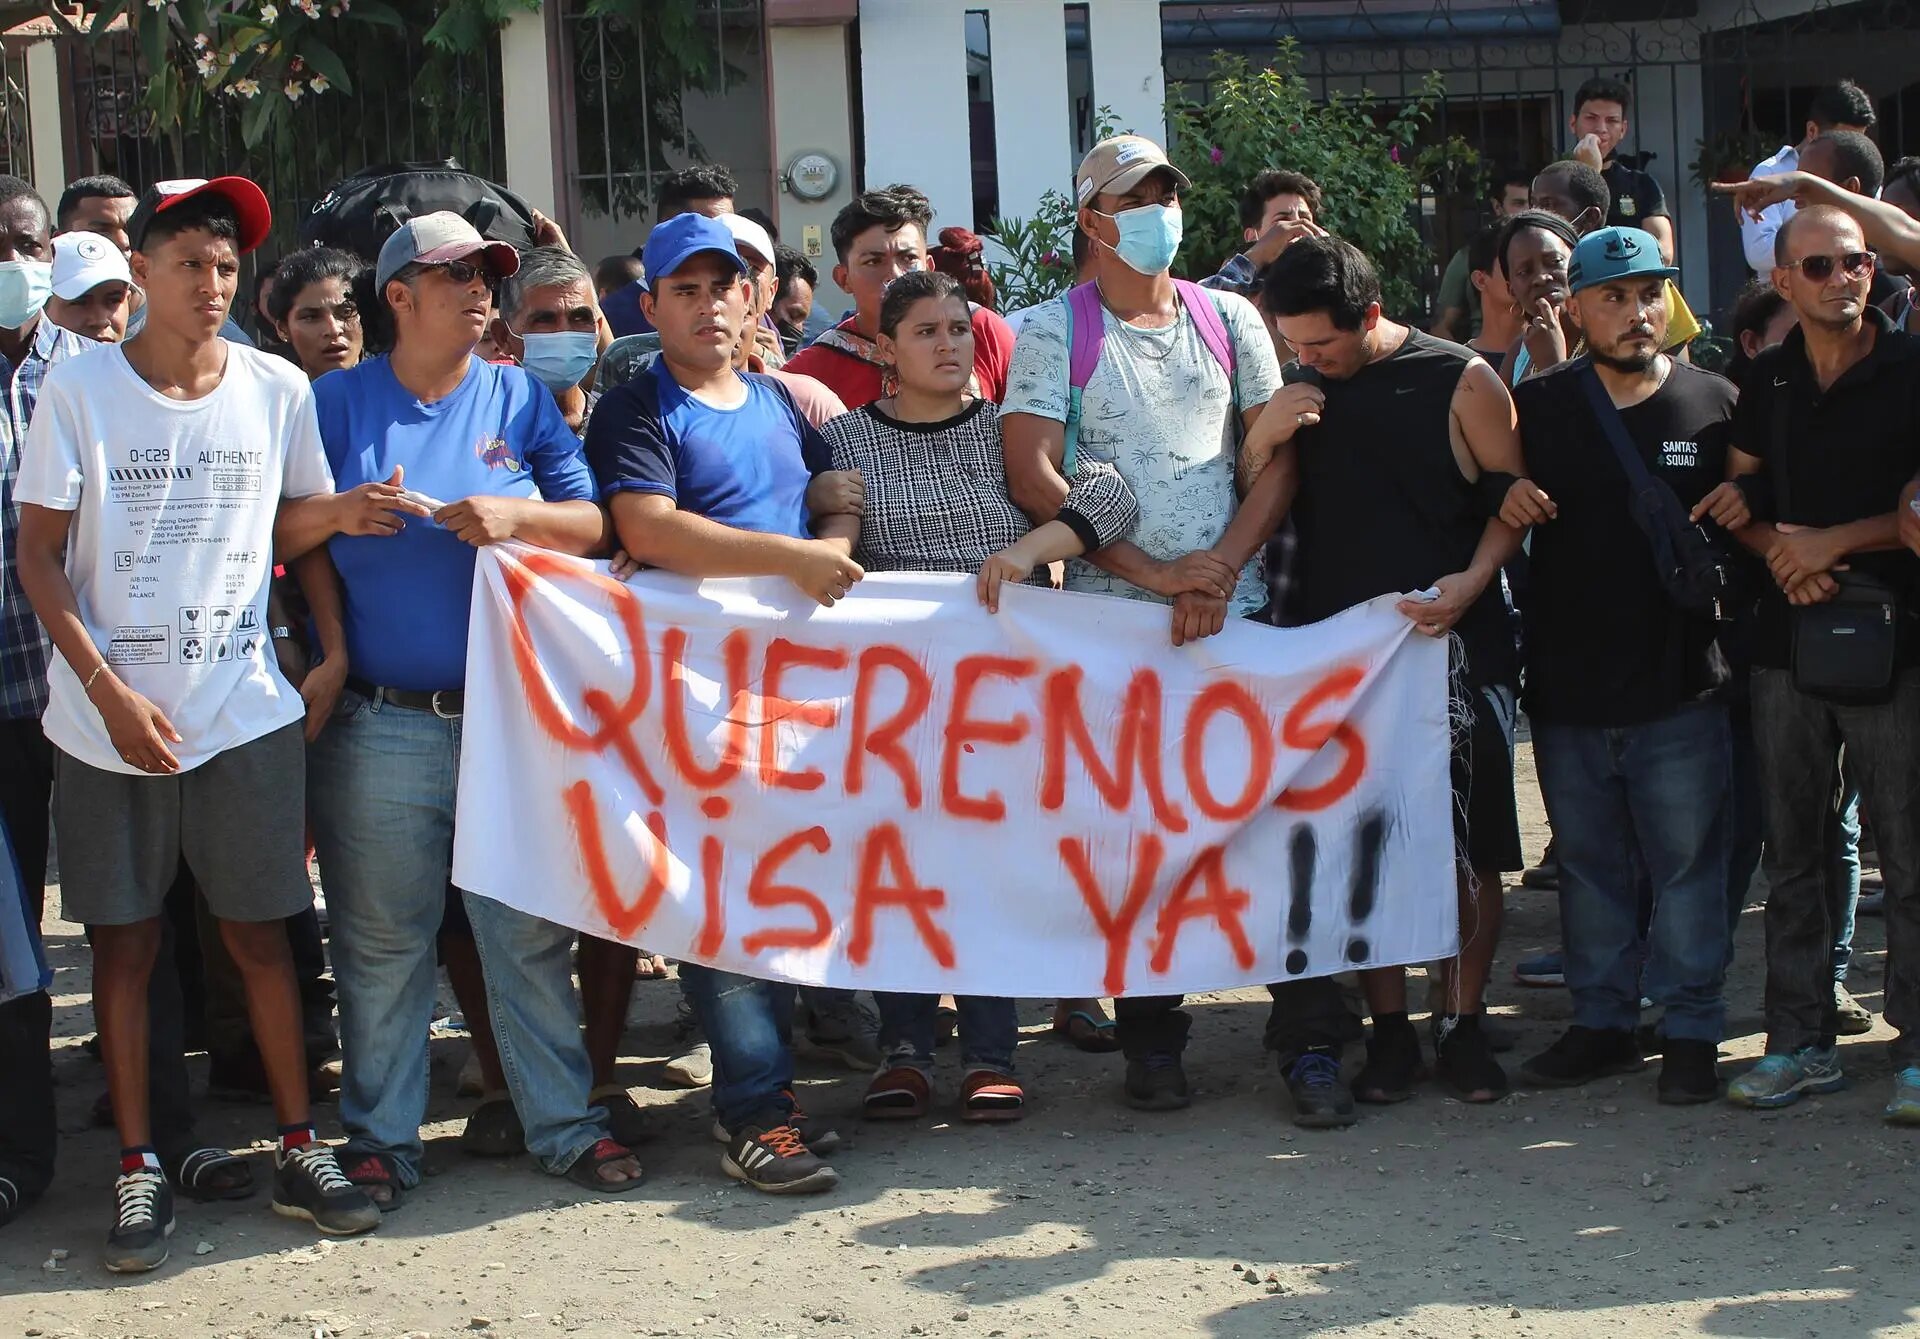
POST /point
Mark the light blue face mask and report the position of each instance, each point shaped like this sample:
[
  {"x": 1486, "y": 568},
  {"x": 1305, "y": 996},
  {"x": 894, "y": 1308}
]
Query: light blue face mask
[
  {"x": 24, "y": 286},
  {"x": 1149, "y": 237},
  {"x": 560, "y": 359}
]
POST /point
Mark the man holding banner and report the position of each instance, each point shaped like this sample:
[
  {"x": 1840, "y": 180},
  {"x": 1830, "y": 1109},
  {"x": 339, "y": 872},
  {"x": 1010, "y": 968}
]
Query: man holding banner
[{"x": 705, "y": 471}]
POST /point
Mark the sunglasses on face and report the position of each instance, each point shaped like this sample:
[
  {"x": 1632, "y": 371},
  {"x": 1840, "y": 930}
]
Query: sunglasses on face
[
  {"x": 1854, "y": 264},
  {"x": 464, "y": 272}
]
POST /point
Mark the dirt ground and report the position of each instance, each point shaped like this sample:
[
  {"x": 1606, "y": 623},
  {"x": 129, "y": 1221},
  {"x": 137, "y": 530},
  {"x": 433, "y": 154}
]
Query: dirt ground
[{"x": 1572, "y": 1213}]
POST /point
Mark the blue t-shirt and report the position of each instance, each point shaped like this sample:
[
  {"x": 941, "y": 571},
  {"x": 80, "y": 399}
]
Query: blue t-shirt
[
  {"x": 408, "y": 595},
  {"x": 746, "y": 467}
]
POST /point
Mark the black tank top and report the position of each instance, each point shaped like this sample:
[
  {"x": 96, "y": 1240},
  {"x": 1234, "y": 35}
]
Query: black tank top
[{"x": 1383, "y": 507}]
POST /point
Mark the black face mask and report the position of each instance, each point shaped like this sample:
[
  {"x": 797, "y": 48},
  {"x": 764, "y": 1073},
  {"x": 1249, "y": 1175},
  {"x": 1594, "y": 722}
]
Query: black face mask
[{"x": 790, "y": 335}]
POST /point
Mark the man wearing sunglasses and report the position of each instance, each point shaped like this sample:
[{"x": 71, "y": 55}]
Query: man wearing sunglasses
[
  {"x": 427, "y": 422},
  {"x": 1826, "y": 436}
]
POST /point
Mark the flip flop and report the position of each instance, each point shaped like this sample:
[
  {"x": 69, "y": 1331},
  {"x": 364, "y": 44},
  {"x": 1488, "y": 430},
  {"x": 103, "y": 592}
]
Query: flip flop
[
  {"x": 1089, "y": 1032},
  {"x": 494, "y": 1129},
  {"x": 651, "y": 967},
  {"x": 585, "y": 1171},
  {"x": 208, "y": 1174}
]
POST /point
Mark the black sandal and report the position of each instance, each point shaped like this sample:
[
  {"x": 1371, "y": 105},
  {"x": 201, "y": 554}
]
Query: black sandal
[
  {"x": 626, "y": 1121},
  {"x": 9, "y": 1200},
  {"x": 208, "y": 1174},
  {"x": 375, "y": 1173},
  {"x": 494, "y": 1129},
  {"x": 585, "y": 1171}
]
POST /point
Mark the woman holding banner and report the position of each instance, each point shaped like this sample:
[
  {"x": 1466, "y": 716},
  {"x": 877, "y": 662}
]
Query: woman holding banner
[{"x": 937, "y": 501}]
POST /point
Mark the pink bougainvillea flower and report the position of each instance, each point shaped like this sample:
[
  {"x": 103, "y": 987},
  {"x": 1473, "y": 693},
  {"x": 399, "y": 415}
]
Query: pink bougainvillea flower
[
  {"x": 1216, "y": 155},
  {"x": 1394, "y": 153}
]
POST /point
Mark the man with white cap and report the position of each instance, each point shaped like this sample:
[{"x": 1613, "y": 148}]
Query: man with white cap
[
  {"x": 151, "y": 483},
  {"x": 431, "y": 419}
]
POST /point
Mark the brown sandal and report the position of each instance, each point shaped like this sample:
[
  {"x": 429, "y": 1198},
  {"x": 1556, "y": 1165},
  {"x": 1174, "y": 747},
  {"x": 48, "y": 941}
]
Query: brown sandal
[
  {"x": 988, "y": 1095},
  {"x": 899, "y": 1093}
]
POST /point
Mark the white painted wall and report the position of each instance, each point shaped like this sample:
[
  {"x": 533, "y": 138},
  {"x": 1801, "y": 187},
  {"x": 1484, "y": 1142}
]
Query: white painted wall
[
  {"x": 1032, "y": 119},
  {"x": 913, "y": 87},
  {"x": 527, "y": 107},
  {"x": 1128, "y": 75},
  {"x": 813, "y": 113},
  {"x": 46, "y": 148}
]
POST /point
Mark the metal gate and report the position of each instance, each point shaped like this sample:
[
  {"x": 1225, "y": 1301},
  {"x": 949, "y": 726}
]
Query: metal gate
[
  {"x": 683, "y": 82},
  {"x": 1710, "y": 77}
]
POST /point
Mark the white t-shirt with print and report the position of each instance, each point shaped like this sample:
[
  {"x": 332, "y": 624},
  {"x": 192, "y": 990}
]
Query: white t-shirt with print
[
  {"x": 1159, "y": 410},
  {"x": 171, "y": 546}
]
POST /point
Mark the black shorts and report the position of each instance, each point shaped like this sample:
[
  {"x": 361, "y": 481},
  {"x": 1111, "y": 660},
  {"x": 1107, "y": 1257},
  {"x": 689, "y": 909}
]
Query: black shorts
[{"x": 1486, "y": 817}]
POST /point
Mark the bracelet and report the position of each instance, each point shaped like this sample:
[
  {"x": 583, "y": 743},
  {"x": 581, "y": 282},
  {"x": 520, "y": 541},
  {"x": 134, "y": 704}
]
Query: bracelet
[{"x": 87, "y": 687}]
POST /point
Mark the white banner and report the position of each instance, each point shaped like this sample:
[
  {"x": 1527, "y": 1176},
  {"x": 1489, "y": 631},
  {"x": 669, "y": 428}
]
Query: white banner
[{"x": 905, "y": 792}]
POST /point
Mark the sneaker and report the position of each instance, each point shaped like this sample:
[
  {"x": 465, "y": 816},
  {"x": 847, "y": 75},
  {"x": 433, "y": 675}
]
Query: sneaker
[
  {"x": 1157, "y": 1082},
  {"x": 841, "y": 1030},
  {"x": 1320, "y": 1100},
  {"x": 817, "y": 1134},
  {"x": 1582, "y": 1055},
  {"x": 1780, "y": 1080},
  {"x": 308, "y": 1184},
  {"x": 1689, "y": 1072},
  {"x": 1904, "y": 1109},
  {"x": 1464, "y": 1060},
  {"x": 1546, "y": 971},
  {"x": 777, "y": 1161},
  {"x": 143, "y": 1207},
  {"x": 1394, "y": 1063},
  {"x": 691, "y": 1064},
  {"x": 1850, "y": 1017}
]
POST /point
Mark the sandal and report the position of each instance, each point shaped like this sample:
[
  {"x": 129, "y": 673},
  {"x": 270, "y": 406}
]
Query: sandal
[
  {"x": 988, "y": 1095},
  {"x": 899, "y": 1093},
  {"x": 587, "y": 1167},
  {"x": 10, "y": 1203},
  {"x": 208, "y": 1174},
  {"x": 1090, "y": 1032},
  {"x": 626, "y": 1120},
  {"x": 650, "y": 967},
  {"x": 378, "y": 1175},
  {"x": 494, "y": 1129}
]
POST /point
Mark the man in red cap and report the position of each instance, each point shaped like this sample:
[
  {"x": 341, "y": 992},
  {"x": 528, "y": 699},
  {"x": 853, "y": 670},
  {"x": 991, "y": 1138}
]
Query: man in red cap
[{"x": 153, "y": 475}]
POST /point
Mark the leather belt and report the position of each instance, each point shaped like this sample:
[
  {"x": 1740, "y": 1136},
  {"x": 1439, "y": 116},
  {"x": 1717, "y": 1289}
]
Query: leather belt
[{"x": 446, "y": 703}]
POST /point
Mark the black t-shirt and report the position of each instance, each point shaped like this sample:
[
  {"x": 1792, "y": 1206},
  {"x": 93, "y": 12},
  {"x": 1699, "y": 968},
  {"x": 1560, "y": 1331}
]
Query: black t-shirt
[
  {"x": 1849, "y": 449},
  {"x": 1605, "y": 646},
  {"x": 1637, "y": 197}
]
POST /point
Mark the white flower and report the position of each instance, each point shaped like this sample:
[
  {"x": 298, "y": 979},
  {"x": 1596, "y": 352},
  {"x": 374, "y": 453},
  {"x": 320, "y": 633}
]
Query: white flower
[
  {"x": 319, "y": 82},
  {"x": 308, "y": 7},
  {"x": 207, "y": 65},
  {"x": 295, "y": 90},
  {"x": 247, "y": 88},
  {"x": 269, "y": 14},
  {"x": 156, "y": 4}
]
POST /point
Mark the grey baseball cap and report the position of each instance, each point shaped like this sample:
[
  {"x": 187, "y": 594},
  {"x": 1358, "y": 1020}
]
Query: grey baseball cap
[{"x": 438, "y": 239}]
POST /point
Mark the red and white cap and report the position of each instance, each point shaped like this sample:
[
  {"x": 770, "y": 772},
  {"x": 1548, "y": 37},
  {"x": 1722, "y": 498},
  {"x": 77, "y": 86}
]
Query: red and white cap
[{"x": 248, "y": 200}]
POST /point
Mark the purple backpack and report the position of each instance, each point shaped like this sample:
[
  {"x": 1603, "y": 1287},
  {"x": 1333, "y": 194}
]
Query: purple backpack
[{"x": 1087, "y": 333}]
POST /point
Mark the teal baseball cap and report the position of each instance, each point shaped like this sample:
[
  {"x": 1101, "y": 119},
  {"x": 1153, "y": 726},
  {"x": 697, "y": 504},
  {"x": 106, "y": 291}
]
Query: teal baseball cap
[{"x": 1616, "y": 253}]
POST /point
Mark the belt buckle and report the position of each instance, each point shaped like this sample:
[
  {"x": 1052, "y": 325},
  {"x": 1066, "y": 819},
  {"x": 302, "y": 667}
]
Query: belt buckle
[{"x": 434, "y": 703}]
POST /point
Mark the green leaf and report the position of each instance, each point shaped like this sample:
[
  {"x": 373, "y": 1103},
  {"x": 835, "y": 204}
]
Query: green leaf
[
  {"x": 326, "y": 61},
  {"x": 253, "y": 125},
  {"x": 373, "y": 11},
  {"x": 153, "y": 40},
  {"x": 104, "y": 16}
]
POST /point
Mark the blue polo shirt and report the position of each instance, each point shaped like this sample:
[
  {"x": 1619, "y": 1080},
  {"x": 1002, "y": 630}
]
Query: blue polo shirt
[
  {"x": 408, "y": 595},
  {"x": 747, "y": 467}
]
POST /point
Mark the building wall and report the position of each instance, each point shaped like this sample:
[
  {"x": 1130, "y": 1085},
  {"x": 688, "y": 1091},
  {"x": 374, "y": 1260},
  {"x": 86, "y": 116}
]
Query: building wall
[{"x": 813, "y": 113}]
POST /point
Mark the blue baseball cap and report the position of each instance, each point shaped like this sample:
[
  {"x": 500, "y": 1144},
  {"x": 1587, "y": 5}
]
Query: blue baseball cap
[
  {"x": 682, "y": 237},
  {"x": 1615, "y": 253}
]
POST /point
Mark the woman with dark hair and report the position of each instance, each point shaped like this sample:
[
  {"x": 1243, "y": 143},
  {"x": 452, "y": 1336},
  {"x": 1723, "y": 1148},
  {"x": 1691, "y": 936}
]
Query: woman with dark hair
[
  {"x": 1535, "y": 248},
  {"x": 314, "y": 310},
  {"x": 962, "y": 256},
  {"x": 937, "y": 501}
]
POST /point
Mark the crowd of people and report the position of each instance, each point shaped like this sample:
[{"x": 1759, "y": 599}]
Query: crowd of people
[{"x": 236, "y": 589}]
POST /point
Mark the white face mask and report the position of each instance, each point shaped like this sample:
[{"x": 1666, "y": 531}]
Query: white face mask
[{"x": 24, "y": 287}]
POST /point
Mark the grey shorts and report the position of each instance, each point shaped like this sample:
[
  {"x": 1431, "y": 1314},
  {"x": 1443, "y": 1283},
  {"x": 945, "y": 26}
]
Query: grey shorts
[{"x": 239, "y": 820}]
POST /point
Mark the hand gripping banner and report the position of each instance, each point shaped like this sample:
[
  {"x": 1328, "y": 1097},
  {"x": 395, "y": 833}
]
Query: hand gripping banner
[{"x": 905, "y": 792}]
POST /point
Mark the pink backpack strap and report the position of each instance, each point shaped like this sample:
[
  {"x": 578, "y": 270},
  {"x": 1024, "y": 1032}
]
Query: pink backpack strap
[
  {"x": 1213, "y": 331},
  {"x": 1089, "y": 332}
]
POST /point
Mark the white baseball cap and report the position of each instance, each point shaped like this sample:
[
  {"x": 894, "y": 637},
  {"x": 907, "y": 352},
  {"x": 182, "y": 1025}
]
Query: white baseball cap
[
  {"x": 749, "y": 234},
  {"x": 82, "y": 261}
]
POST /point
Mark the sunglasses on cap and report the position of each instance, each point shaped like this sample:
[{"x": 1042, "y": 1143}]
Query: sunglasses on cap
[{"x": 1855, "y": 264}]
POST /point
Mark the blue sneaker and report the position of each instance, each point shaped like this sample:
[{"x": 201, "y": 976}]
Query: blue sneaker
[
  {"x": 1781, "y": 1080},
  {"x": 1904, "y": 1109},
  {"x": 1546, "y": 970}
]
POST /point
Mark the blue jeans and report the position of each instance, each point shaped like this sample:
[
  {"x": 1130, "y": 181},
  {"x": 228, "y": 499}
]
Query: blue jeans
[
  {"x": 989, "y": 1030},
  {"x": 381, "y": 783},
  {"x": 746, "y": 1021},
  {"x": 1662, "y": 789}
]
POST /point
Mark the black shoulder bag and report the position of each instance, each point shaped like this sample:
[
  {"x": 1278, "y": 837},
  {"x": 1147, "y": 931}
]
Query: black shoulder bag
[
  {"x": 1692, "y": 573},
  {"x": 1843, "y": 648}
]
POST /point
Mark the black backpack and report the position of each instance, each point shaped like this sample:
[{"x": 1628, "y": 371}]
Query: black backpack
[{"x": 366, "y": 208}]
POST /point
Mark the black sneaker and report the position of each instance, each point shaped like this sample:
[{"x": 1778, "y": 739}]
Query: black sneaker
[
  {"x": 143, "y": 1207},
  {"x": 308, "y": 1184},
  {"x": 1582, "y": 1055},
  {"x": 1690, "y": 1073},
  {"x": 815, "y": 1132},
  {"x": 1320, "y": 1101},
  {"x": 1156, "y": 1082},
  {"x": 1465, "y": 1062},
  {"x": 1394, "y": 1062},
  {"x": 777, "y": 1161}
]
